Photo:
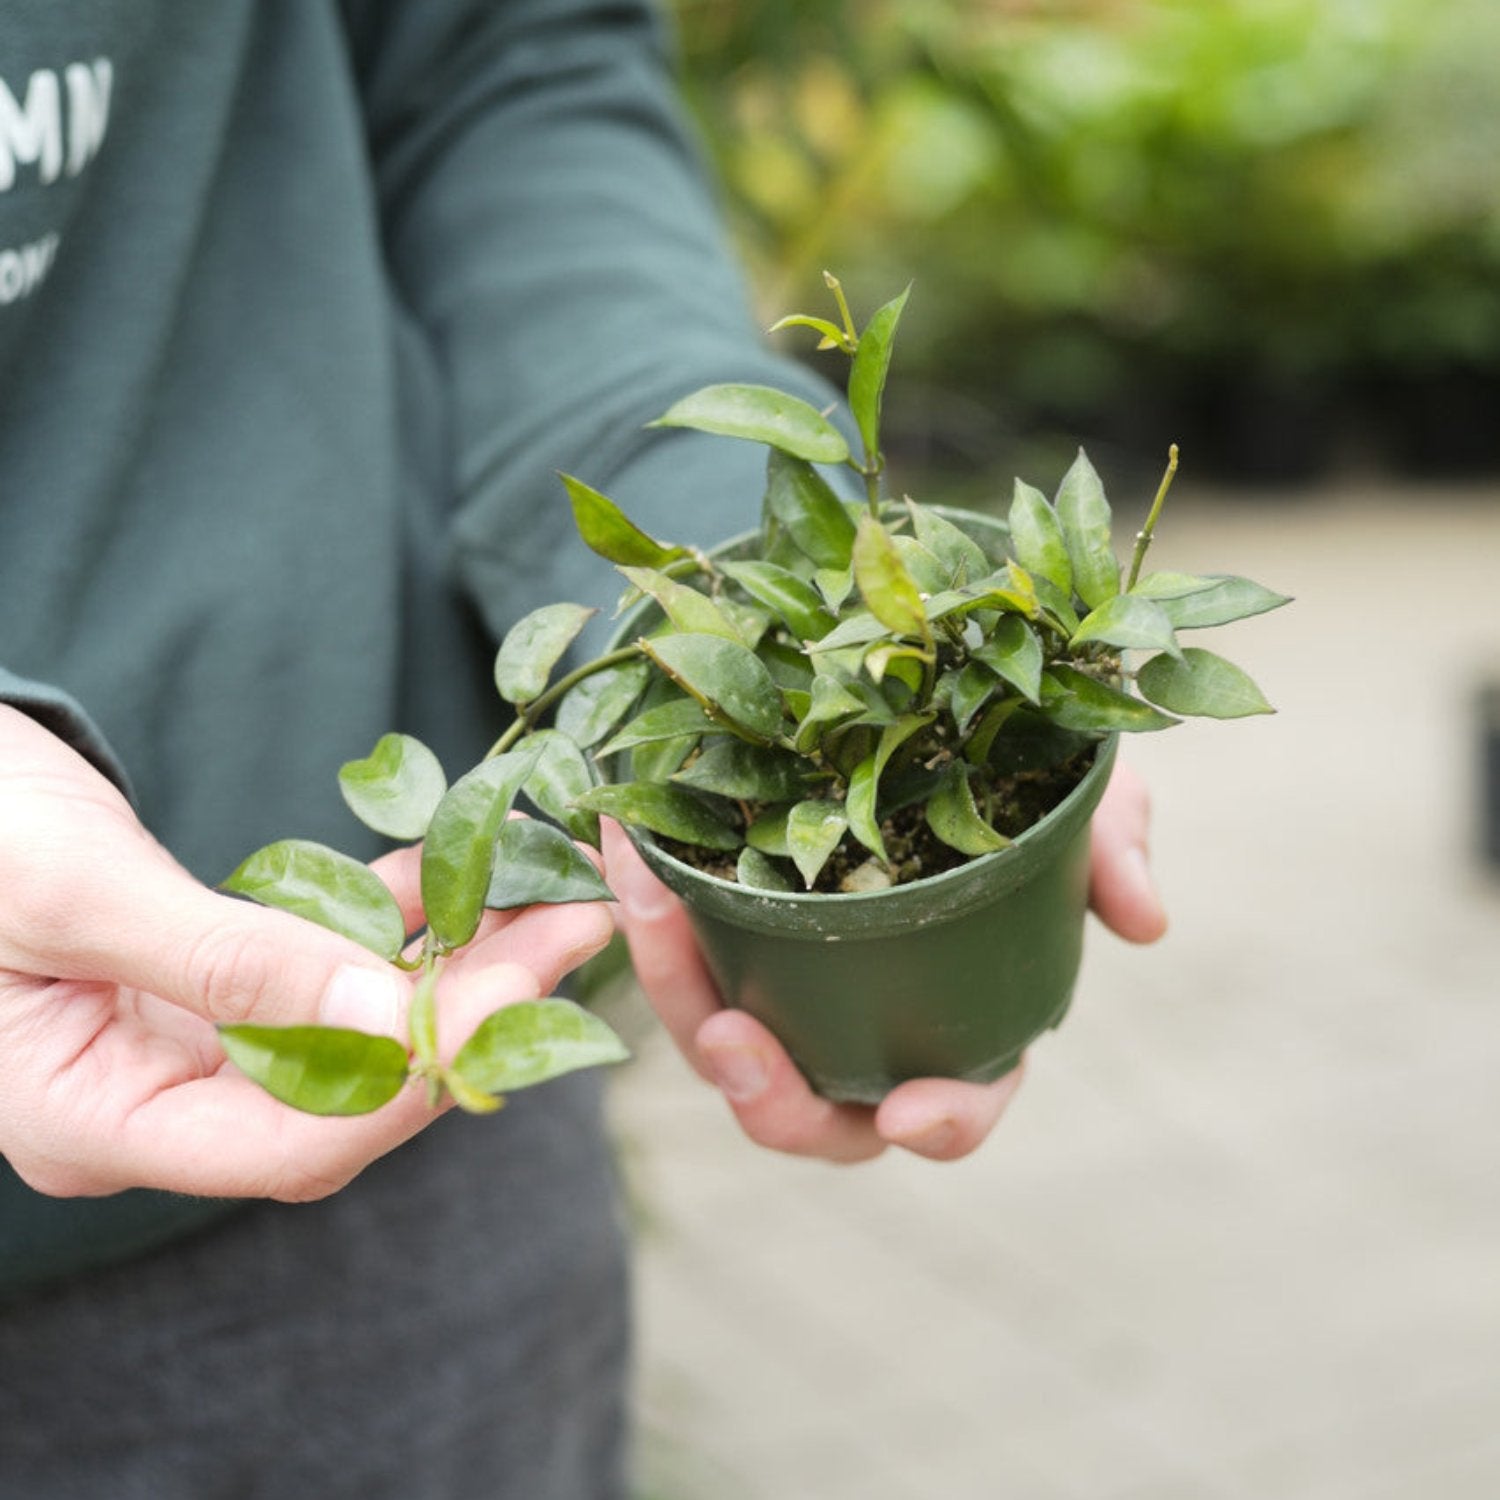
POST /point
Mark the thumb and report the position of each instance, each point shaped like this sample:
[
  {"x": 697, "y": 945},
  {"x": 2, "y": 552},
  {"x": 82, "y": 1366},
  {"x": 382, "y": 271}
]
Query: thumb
[{"x": 153, "y": 927}]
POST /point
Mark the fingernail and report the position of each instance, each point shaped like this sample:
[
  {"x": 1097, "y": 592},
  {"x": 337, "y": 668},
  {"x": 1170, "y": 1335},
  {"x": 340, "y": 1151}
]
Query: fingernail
[
  {"x": 740, "y": 1072},
  {"x": 937, "y": 1139},
  {"x": 362, "y": 999},
  {"x": 641, "y": 894}
]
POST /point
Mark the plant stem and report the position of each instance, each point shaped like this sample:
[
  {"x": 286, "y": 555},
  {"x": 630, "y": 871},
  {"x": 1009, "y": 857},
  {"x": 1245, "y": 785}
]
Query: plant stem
[
  {"x": 1143, "y": 536},
  {"x": 527, "y": 716}
]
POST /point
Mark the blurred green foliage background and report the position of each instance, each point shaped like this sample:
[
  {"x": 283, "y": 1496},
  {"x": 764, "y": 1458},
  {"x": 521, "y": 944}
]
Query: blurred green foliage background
[{"x": 1267, "y": 228}]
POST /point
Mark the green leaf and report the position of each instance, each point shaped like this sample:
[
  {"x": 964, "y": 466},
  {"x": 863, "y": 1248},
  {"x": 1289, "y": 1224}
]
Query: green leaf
[
  {"x": 1084, "y": 516},
  {"x": 801, "y": 500},
  {"x": 1228, "y": 600},
  {"x": 599, "y": 702},
  {"x": 607, "y": 530},
  {"x": 962, "y": 557},
  {"x": 813, "y": 831},
  {"x": 834, "y": 337},
  {"x": 559, "y": 777},
  {"x": 768, "y": 833},
  {"x": 889, "y": 591},
  {"x": 668, "y": 810},
  {"x": 459, "y": 850},
  {"x": 762, "y": 415},
  {"x": 1130, "y": 623},
  {"x": 832, "y": 702},
  {"x": 325, "y": 887},
  {"x": 953, "y": 817},
  {"x": 532, "y": 1041},
  {"x": 872, "y": 360},
  {"x": 1015, "y": 653},
  {"x": 859, "y": 629},
  {"x": 759, "y": 873},
  {"x": 685, "y": 607},
  {"x": 539, "y": 865},
  {"x": 746, "y": 773},
  {"x": 673, "y": 720},
  {"x": 979, "y": 744},
  {"x": 1073, "y": 700},
  {"x": 969, "y": 689},
  {"x": 836, "y": 584},
  {"x": 1168, "y": 585},
  {"x": 927, "y": 571},
  {"x": 533, "y": 646},
  {"x": 1036, "y": 538},
  {"x": 861, "y": 803},
  {"x": 792, "y": 600},
  {"x": 1057, "y": 605},
  {"x": 1203, "y": 684},
  {"x": 321, "y": 1070},
  {"x": 730, "y": 681},
  {"x": 395, "y": 788}
]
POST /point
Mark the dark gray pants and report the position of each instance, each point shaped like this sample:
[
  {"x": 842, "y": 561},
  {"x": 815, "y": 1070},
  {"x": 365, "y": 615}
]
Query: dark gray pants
[{"x": 454, "y": 1323}]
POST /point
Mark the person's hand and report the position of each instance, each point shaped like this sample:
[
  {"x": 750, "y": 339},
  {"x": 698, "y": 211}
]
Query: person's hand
[
  {"x": 933, "y": 1117},
  {"x": 115, "y": 964}
]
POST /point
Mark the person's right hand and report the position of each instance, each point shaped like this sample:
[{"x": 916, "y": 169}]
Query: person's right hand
[{"x": 115, "y": 965}]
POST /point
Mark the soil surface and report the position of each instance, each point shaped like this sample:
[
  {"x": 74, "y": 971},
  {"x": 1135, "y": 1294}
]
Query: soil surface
[{"x": 1011, "y": 804}]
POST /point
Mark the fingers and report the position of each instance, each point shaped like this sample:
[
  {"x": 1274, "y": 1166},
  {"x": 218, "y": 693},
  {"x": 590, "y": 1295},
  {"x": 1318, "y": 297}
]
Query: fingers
[
  {"x": 1121, "y": 889},
  {"x": 771, "y": 1099},
  {"x": 663, "y": 951},
  {"x": 943, "y": 1120},
  {"x": 224, "y": 1137}
]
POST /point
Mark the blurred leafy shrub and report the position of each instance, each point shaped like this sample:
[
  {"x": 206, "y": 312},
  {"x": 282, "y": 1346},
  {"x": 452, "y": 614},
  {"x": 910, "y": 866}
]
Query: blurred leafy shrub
[{"x": 1244, "y": 218}]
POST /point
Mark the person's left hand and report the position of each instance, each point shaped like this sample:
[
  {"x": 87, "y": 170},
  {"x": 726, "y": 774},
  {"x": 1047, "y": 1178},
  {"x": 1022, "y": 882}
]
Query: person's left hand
[{"x": 933, "y": 1117}]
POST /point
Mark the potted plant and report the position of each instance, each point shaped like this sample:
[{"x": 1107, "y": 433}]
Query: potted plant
[{"x": 862, "y": 744}]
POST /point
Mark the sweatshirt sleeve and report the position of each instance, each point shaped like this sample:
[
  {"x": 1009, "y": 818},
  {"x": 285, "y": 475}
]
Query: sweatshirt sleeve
[
  {"x": 549, "y": 227},
  {"x": 61, "y": 714}
]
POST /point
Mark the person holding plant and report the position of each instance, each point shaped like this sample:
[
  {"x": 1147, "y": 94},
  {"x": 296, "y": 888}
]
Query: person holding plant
[{"x": 308, "y": 303}]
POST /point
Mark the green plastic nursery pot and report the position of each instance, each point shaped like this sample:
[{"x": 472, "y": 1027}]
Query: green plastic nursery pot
[{"x": 948, "y": 977}]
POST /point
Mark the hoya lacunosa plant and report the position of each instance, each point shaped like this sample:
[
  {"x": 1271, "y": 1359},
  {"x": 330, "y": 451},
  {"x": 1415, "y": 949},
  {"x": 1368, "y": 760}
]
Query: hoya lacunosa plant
[{"x": 859, "y": 694}]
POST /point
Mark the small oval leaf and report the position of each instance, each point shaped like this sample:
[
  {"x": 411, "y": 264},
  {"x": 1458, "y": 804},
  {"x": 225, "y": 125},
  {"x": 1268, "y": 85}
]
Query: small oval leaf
[
  {"x": 1128, "y": 622},
  {"x": 1073, "y": 700},
  {"x": 459, "y": 851},
  {"x": 539, "y": 865},
  {"x": 953, "y": 817},
  {"x": 888, "y": 589},
  {"x": 674, "y": 720},
  {"x": 607, "y": 530},
  {"x": 759, "y": 872},
  {"x": 813, "y": 831},
  {"x": 872, "y": 361},
  {"x": 792, "y": 600},
  {"x": 599, "y": 702},
  {"x": 801, "y": 500},
  {"x": 396, "y": 788},
  {"x": 558, "y": 779},
  {"x": 1201, "y": 683},
  {"x": 1229, "y": 599},
  {"x": 671, "y": 811},
  {"x": 1015, "y": 653},
  {"x": 729, "y": 680},
  {"x": 1084, "y": 516},
  {"x": 962, "y": 557},
  {"x": 746, "y": 773},
  {"x": 762, "y": 415},
  {"x": 685, "y": 607},
  {"x": 533, "y": 646},
  {"x": 533, "y": 1041},
  {"x": 1036, "y": 538},
  {"x": 321, "y": 1070},
  {"x": 326, "y": 887},
  {"x": 861, "y": 803}
]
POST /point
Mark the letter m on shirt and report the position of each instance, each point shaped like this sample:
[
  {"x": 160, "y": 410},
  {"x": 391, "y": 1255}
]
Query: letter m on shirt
[{"x": 31, "y": 129}]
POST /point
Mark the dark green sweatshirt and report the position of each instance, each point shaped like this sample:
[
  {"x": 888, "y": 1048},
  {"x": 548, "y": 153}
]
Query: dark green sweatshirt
[{"x": 302, "y": 305}]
